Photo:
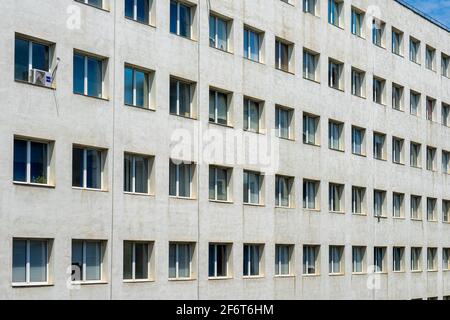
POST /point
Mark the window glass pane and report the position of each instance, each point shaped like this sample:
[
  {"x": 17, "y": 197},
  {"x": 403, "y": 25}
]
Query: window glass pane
[
  {"x": 141, "y": 261},
  {"x": 128, "y": 173},
  {"x": 77, "y": 167},
  {"x": 128, "y": 260},
  {"x": 212, "y": 183},
  {"x": 221, "y": 34},
  {"x": 21, "y": 60},
  {"x": 38, "y": 261},
  {"x": 283, "y": 123},
  {"x": 221, "y": 108},
  {"x": 184, "y": 259},
  {"x": 184, "y": 99},
  {"x": 184, "y": 180},
  {"x": 143, "y": 11},
  {"x": 173, "y": 179},
  {"x": 173, "y": 16},
  {"x": 172, "y": 261},
  {"x": 38, "y": 163},
  {"x": 141, "y": 175},
  {"x": 284, "y": 58},
  {"x": 78, "y": 74},
  {"x": 173, "y": 96},
  {"x": 77, "y": 260},
  {"x": 20, "y": 160},
  {"x": 93, "y": 261},
  {"x": 93, "y": 169},
  {"x": 246, "y": 260},
  {"x": 128, "y": 86},
  {"x": 19, "y": 261},
  {"x": 254, "y": 186},
  {"x": 221, "y": 260},
  {"x": 254, "y": 260},
  {"x": 211, "y": 261},
  {"x": 212, "y": 31},
  {"x": 94, "y": 77},
  {"x": 185, "y": 21},
  {"x": 254, "y": 46},
  {"x": 222, "y": 184},
  {"x": 246, "y": 44},
  {"x": 254, "y": 116},
  {"x": 141, "y": 88},
  {"x": 212, "y": 106},
  {"x": 40, "y": 57},
  {"x": 129, "y": 9}
]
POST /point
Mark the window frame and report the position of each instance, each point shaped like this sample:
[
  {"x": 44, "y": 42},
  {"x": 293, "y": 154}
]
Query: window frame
[
  {"x": 48, "y": 171},
  {"x": 28, "y": 282},
  {"x": 102, "y": 244},
  {"x": 150, "y": 248},
  {"x": 150, "y": 162},
  {"x": 102, "y": 86}
]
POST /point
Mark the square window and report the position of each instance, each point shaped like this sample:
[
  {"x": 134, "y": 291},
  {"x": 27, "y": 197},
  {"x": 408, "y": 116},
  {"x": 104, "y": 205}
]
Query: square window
[
  {"x": 358, "y": 200},
  {"x": 182, "y": 98},
  {"x": 335, "y": 135},
  {"x": 219, "y": 102},
  {"x": 140, "y": 10},
  {"x": 219, "y": 183},
  {"x": 335, "y": 12},
  {"x": 431, "y": 209},
  {"x": 181, "y": 260},
  {"x": 379, "y": 146},
  {"x": 30, "y": 261},
  {"x": 358, "y": 83},
  {"x": 181, "y": 179},
  {"x": 357, "y": 21},
  {"x": 414, "y": 103},
  {"x": 311, "y": 260},
  {"x": 397, "y": 150},
  {"x": 219, "y": 32},
  {"x": 283, "y": 260},
  {"x": 253, "y": 182},
  {"x": 335, "y": 74},
  {"x": 284, "y": 55},
  {"x": 138, "y": 170},
  {"x": 379, "y": 259},
  {"x": 88, "y": 167},
  {"x": 253, "y": 115},
  {"x": 336, "y": 197},
  {"x": 89, "y": 75},
  {"x": 358, "y": 141},
  {"x": 397, "y": 205},
  {"x": 311, "y": 199},
  {"x": 379, "y": 90},
  {"x": 284, "y": 191},
  {"x": 358, "y": 259},
  {"x": 379, "y": 203},
  {"x": 311, "y": 65},
  {"x": 253, "y": 40},
  {"x": 311, "y": 132},
  {"x": 138, "y": 87},
  {"x": 253, "y": 255},
  {"x": 219, "y": 260},
  {"x": 32, "y": 160},
  {"x": 33, "y": 61},
  {"x": 87, "y": 260},
  {"x": 414, "y": 50},
  {"x": 284, "y": 118},
  {"x": 397, "y": 42},
  {"x": 398, "y": 256},
  {"x": 336, "y": 259},
  {"x": 181, "y": 19},
  {"x": 416, "y": 257},
  {"x": 137, "y": 260},
  {"x": 416, "y": 207}
]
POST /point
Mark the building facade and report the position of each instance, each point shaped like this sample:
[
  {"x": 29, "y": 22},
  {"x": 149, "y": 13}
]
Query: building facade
[{"x": 98, "y": 202}]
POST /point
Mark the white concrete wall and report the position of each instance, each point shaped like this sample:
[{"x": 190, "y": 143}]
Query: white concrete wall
[{"x": 63, "y": 213}]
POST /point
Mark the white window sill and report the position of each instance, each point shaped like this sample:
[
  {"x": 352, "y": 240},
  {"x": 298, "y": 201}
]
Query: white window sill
[
  {"x": 311, "y": 210},
  {"x": 337, "y": 274},
  {"x": 86, "y": 283},
  {"x": 254, "y": 204},
  {"x": 28, "y": 184},
  {"x": 253, "y": 277},
  {"x": 399, "y": 272},
  {"x": 146, "y": 108},
  {"x": 219, "y": 278},
  {"x": 181, "y": 279},
  {"x": 31, "y": 285},
  {"x": 139, "y": 194},
  {"x": 359, "y": 273},
  {"x": 89, "y": 189},
  {"x": 93, "y": 97},
  {"x": 221, "y": 50},
  {"x": 182, "y": 198},
  {"x": 35, "y": 85},
  {"x": 284, "y": 208},
  {"x": 221, "y": 201},
  {"x": 227, "y": 126},
  {"x": 360, "y": 214},
  {"x": 337, "y": 212},
  {"x": 139, "y": 281},
  {"x": 315, "y": 275},
  {"x": 284, "y": 276},
  {"x": 141, "y": 23}
]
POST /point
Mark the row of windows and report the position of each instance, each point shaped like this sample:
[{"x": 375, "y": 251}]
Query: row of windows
[
  {"x": 32, "y": 260},
  {"x": 32, "y": 165},
  {"x": 182, "y": 15},
  {"x": 34, "y": 59}
]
